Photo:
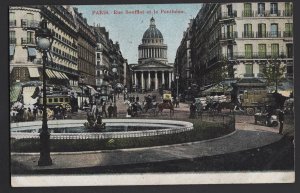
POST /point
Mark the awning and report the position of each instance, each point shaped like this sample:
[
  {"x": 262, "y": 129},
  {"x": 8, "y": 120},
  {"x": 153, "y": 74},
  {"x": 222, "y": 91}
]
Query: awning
[
  {"x": 76, "y": 89},
  {"x": 31, "y": 51},
  {"x": 33, "y": 72},
  {"x": 63, "y": 75},
  {"x": 57, "y": 74},
  {"x": 11, "y": 50},
  {"x": 50, "y": 73},
  {"x": 15, "y": 92},
  {"x": 93, "y": 91}
]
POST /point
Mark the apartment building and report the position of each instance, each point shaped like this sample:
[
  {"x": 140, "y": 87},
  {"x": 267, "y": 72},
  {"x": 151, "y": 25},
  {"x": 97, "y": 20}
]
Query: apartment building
[
  {"x": 86, "y": 50},
  {"x": 183, "y": 60},
  {"x": 247, "y": 35},
  {"x": 25, "y": 61}
]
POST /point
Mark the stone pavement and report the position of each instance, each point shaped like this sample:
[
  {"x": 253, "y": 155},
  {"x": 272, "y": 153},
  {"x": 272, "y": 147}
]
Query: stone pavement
[{"x": 242, "y": 139}]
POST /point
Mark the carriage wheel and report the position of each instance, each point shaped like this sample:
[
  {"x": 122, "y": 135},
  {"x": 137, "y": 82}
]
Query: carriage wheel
[
  {"x": 250, "y": 111},
  {"x": 49, "y": 113}
]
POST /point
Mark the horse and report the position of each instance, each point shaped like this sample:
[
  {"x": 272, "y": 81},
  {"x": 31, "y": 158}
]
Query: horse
[{"x": 166, "y": 105}]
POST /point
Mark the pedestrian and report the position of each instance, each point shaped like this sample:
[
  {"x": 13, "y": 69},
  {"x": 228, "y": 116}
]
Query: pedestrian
[
  {"x": 193, "y": 110},
  {"x": 104, "y": 113},
  {"x": 35, "y": 111},
  {"x": 94, "y": 108},
  {"x": 281, "y": 120},
  {"x": 110, "y": 110}
]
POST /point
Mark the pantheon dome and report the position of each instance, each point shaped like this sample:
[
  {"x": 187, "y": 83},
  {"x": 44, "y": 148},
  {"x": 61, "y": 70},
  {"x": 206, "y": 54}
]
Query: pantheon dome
[
  {"x": 152, "y": 72},
  {"x": 152, "y": 32},
  {"x": 152, "y": 45}
]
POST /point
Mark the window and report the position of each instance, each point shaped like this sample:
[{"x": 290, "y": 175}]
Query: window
[
  {"x": 274, "y": 30},
  {"x": 230, "y": 52},
  {"x": 261, "y": 68},
  {"x": 261, "y": 30},
  {"x": 288, "y": 30},
  {"x": 275, "y": 50},
  {"x": 12, "y": 19},
  {"x": 289, "y": 50},
  {"x": 29, "y": 16},
  {"x": 261, "y": 9},
  {"x": 12, "y": 37},
  {"x": 50, "y": 100},
  {"x": 30, "y": 38},
  {"x": 61, "y": 100},
  {"x": 247, "y": 10},
  {"x": 229, "y": 10},
  {"x": 289, "y": 70},
  {"x": 55, "y": 100},
  {"x": 248, "y": 50},
  {"x": 248, "y": 31},
  {"x": 249, "y": 70},
  {"x": 274, "y": 8},
  {"x": 97, "y": 73},
  {"x": 288, "y": 9},
  {"x": 98, "y": 55},
  {"x": 262, "y": 50}
]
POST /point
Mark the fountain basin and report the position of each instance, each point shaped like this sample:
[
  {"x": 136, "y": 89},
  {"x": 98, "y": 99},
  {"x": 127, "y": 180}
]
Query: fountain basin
[{"x": 116, "y": 128}]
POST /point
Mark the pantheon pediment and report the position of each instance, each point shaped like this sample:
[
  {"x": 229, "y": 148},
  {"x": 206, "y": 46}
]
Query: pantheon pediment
[{"x": 152, "y": 64}]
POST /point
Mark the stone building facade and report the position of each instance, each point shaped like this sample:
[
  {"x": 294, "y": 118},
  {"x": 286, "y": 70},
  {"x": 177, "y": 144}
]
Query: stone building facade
[
  {"x": 25, "y": 60},
  {"x": 183, "y": 60},
  {"x": 86, "y": 50},
  {"x": 247, "y": 35}
]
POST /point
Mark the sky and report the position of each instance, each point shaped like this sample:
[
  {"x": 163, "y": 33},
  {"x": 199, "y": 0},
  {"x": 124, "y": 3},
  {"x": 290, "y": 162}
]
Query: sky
[{"x": 128, "y": 28}]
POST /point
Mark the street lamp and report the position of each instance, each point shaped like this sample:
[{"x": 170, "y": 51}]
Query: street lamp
[
  {"x": 177, "y": 78},
  {"x": 114, "y": 70},
  {"x": 82, "y": 81},
  {"x": 44, "y": 39}
]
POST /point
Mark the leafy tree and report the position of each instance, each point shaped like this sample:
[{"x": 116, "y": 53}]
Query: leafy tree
[
  {"x": 274, "y": 73},
  {"x": 223, "y": 71}
]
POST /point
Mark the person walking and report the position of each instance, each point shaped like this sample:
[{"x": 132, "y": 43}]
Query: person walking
[
  {"x": 281, "y": 120},
  {"x": 110, "y": 110},
  {"x": 103, "y": 104}
]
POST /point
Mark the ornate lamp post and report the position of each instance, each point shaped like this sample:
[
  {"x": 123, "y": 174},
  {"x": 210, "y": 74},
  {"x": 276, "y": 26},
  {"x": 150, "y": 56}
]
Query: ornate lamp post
[
  {"x": 177, "y": 78},
  {"x": 44, "y": 39},
  {"x": 82, "y": 78},
  {"x": 115, "y": 71}
]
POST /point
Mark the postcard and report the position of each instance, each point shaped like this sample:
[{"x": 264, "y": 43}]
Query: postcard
[{"x": 151, "y": 94}]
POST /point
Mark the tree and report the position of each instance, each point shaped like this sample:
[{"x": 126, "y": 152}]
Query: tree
[
  {"x": 274, "y": 73},
  {"x": 223, "y": 71}
]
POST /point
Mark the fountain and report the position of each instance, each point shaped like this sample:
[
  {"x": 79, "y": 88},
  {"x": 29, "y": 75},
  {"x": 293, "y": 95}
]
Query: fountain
[{"x": 106, "y": 128}]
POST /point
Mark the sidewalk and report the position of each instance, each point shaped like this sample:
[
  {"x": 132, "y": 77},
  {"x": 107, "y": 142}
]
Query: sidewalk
[{"x": 241, "y": 140}]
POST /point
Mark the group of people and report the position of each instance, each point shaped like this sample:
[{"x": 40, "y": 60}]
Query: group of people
[
  {"x": 20, "y": 113},
  {"x": 100, "y": 109}
]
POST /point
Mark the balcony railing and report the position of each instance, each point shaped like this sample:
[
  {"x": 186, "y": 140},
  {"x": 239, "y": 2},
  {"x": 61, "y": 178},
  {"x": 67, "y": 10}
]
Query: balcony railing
[
  {"x": 248, "y": 34},
  {"x": 12, "y": 23},
  {"x": 29, "y": 23},
  {"x": 229, "y": 35},
  {"x": 288, "y": 34},
  {"x": 248, "y": 75},
  {"x": 227, "y": 15},
  {"x": 287, "y": 13},
  {"x": 260, "y": 13},
  {"x": 12, "y": 40},
  {"x": 272, "y": 34},
  {"x": 248, "y": 13},
  {"x": 273, "y": 13},
  {"x": 25, "y": 41},
  {"x": 267, "y": 13},
  {"x": 255, "y": 55}
]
